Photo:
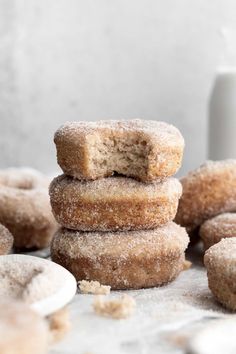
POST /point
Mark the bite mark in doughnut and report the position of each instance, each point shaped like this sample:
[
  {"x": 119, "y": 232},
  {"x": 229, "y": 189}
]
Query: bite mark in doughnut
[
  {"x": 123, "y": 260},
  {"x": 146, "y": 150},
  {"x": 113, "y": 203}
]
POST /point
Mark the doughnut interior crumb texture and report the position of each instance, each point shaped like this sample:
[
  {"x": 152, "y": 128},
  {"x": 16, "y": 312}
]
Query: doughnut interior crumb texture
[
  {"x": 113, "y": 203},
  {"x": 22, "y": 331},
  {"x": 28, "y": 281},
  {"x": 93, "y": 287},
  {"x": 220, "y": 262},
  {"x": 59, "y": 324},
  {"x": 207, "y": 191},
  {"x": 114, "y": 308},
  {"x": 6, "y": 240},
  {"x": 123, "y": 260},
  {"x": 221, "y": 226},
  {"x": 146, "y": 150}
]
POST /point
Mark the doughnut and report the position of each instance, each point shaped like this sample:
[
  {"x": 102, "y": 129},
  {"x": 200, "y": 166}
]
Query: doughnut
[
  {"x": 220, "y": 262},
  {"x": 6, "y": 240},
  {"x": 208, "y": 191},
  {"x": 22, "y": 330},
  {"x": 122, "y": 260},
  {"x": 145, "y": 150},
  {"x": 22, "y": 178},
  {"x": 221, "y": 226},
  {"x": 25, "y": 208},
  {"x": 113, "y": 203}
]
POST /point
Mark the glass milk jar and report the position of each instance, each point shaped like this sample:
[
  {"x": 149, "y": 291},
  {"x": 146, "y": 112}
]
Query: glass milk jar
[{"x": 222, "y": 116}]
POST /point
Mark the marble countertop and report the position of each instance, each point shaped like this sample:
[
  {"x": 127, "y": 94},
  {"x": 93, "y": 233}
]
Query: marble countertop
[{"x": 164, "y": 321}]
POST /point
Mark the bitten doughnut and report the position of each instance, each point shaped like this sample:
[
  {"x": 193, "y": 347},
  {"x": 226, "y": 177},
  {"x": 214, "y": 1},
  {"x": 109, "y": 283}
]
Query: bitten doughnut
[
  {"x": 123, "y": 260},
  {"x": 6, "y": 240},
  {"x": 25, "y": 208},
  {"x": 113, "y": 203},
  {"x": 22, "y": 330},
  {"x": 208, "y": 191},
  {"x": 220, "y": 261},
  {"x": 221, "y": 226},
  {"x": 146, "y": 150}
]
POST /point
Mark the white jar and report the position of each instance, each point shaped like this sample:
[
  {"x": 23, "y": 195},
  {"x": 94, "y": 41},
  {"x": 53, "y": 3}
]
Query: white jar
[{"x": 222, "y": 116}]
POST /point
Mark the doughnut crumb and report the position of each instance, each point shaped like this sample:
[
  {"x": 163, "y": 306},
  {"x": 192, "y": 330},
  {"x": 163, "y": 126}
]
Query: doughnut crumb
[
  {"x": 93, "y": 287},
  {"x": 115, "y": 308},
  {"x": 187, "y": 264},
  {"x": 59, "y": 324}
]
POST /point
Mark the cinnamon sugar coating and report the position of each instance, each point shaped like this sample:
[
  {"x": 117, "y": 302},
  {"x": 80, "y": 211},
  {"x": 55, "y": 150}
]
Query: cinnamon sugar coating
[
  {"x": 145, "y": 150},
  {"x": 220, "y": 261},
  {"x": 123, "y": 260},
  {"x": 207, "y": 191},
  {"x": 22, "y": 330},
  {"x": 113, "y": 203},
  {"x": 221, "y": 226},
  {"x": 25, "y": 208},
  {"x": 6, "y": 240}
]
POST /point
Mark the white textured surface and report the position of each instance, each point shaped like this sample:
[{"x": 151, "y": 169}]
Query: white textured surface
[
  {"x": 164, "y": 320},
  {"x": 66, "y": 60}
]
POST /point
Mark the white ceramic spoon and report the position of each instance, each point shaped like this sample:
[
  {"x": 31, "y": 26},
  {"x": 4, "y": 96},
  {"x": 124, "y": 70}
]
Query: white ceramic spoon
[{"x": 49, "y": 286}]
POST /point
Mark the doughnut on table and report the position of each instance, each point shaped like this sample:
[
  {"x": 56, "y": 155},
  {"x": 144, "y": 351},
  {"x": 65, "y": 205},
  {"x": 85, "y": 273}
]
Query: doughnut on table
[{"x": 164, "y": 320}]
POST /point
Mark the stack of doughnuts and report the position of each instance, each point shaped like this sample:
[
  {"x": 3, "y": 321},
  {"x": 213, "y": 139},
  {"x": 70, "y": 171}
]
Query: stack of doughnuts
[{"x": 116, "y": 201}]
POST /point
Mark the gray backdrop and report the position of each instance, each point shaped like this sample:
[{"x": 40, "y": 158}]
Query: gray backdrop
[{"x": 72, "y": 59}]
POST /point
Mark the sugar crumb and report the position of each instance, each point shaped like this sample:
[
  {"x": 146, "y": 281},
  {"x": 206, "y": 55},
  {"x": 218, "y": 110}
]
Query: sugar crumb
[
  {"x": 93, "y": 287},
  {"x": 115, "y": 308}
]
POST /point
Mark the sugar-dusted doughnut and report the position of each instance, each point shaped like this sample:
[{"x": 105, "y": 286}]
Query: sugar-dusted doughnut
[
  {"x": 146, "y": 150},
  {"x": 6, "y": 240},
  {"x": 221, "y": 226},
  {"x": 220, "y": 261},
  {"x": 113, "y": 203},
  {"x": 22, "y": 330},
  {"x": 25, "y": 208},
  {"x": 208, "y": 191},
  {"x": 123, "y": 260},
  {"x": 23, "y": 178}
]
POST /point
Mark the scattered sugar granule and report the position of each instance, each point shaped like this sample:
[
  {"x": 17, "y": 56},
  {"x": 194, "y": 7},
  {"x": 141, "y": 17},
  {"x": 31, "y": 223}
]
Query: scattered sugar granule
[
  {"x": 187, "y": 264},
  {"x": 115, "y": 308},
  {"x": 93, "y": 287}
]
